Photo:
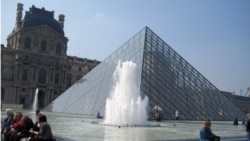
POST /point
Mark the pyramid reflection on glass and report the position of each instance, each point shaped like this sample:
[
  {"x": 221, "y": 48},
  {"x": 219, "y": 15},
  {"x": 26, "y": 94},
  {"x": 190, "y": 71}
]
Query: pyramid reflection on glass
[{"x": 168, "y": 80}]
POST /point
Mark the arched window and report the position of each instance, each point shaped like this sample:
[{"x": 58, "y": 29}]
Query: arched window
[
  {"x": 58, "y": 48},
  {"x": 27, "y": 42},
  {"x": 42, "y": 76},
  {"x": 25, "y": 75},
  {"x": 43, "y": 46}
]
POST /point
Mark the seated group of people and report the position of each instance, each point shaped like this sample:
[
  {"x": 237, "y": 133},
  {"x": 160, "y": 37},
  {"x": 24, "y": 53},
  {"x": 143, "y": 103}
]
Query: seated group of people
[{"x": 19, "y": 127}]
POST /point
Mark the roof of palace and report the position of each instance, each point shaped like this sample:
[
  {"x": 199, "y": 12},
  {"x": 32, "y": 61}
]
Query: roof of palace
[{"x": 37, "y": 17}]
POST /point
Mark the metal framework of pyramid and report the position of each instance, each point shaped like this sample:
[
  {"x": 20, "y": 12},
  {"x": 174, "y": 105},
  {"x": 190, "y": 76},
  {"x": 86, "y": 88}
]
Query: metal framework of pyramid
[{"x": 168, "y": 80}]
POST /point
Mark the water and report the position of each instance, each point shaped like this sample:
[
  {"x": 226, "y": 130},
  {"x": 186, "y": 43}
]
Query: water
[
  {"x": 78, "y": 128},
  {"x": 35, "y": 104},
  {"x": 125, "y": 106}
]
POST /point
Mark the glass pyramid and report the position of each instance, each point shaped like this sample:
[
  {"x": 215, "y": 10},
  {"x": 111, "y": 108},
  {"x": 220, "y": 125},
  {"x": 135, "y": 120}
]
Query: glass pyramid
[{"x": 168, "y": 80}]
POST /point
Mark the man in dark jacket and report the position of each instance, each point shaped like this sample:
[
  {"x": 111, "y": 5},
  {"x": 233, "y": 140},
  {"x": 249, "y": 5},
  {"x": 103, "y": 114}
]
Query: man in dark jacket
[{"x": 8, "y": 120}]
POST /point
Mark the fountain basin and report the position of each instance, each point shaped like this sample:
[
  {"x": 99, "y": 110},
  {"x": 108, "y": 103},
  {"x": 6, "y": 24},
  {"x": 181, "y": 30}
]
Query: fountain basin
[
  {"x": 71, "y": 127},
  {"x": 129, "y": 125}
]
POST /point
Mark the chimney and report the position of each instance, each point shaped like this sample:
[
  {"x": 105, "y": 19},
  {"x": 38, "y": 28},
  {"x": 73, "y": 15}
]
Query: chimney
[
  {"x": 19, "y": 15},
  {"x": 61, "y": 20}
]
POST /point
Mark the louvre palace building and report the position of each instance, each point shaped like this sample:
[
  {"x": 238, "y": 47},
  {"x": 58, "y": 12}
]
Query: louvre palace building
[{"x": 36, "y": 57}]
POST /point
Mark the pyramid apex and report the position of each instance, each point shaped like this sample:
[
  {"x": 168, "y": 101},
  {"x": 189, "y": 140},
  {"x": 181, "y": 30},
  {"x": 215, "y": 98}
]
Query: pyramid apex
[{"x": 147, "y": 28}]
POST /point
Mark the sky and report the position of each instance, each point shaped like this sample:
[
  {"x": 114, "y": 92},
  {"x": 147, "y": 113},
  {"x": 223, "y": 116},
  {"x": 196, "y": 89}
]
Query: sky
[{"x": 212, "y": 35}]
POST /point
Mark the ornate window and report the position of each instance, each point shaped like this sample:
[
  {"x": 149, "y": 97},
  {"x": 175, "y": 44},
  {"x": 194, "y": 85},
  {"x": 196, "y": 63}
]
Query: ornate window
[
  {"x": 25, "y": 75},
  {"x": 58, "y": 48},
  {"x": 42, "y": 76},
  {"x": 43, "y": 45},
  {"x": 27, "y": 42}
]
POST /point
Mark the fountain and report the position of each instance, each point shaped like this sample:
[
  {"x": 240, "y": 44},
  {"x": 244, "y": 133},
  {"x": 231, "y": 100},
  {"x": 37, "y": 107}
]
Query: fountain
[
  {"x": 125, "y": 107},
  {"x": 35, "y": 102}
]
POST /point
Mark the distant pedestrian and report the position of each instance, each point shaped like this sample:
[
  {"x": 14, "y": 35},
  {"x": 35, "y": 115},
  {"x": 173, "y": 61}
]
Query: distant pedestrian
[
  {"x": 158, "y": 116},
  {"x": 248, "y": 127},
  {"x": 177, "y": 115},
  {"x": 98, "y": 115},
  {"x": 243, "y": 121},
  {"x": 236, "y": 121}
]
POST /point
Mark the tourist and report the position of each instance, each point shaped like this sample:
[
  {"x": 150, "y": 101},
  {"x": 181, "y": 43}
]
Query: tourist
[
  {"x": 26, "y": 125},
  {"x": 248, "y": 127},
  {"x": 98, "y": 115},
  {"x": 8, "y": 120},
  {"x": 206, "y": 133},
  {"x": 236, "y": 121},
  {"x": 158, "y": 116},
  {"x": 45, "y": 132},
  {"x": 10, "y": 132},
  {"x": 177, "y": 115},
  {"x": 37, "y": 125},
  {"x": 243, "y": 121}
]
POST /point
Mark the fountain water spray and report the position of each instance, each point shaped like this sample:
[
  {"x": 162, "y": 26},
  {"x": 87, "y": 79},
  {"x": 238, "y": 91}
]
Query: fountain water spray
[
  {"x": 35, "y": 102},
  {"x": 125, "y": 106}
]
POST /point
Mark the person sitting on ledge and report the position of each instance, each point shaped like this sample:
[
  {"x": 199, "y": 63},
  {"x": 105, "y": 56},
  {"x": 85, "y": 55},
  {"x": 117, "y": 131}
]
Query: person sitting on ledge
[
  {"x": 15, "y": 126},
  {"x": 23, "y": 131},
  {"x": 36, "y": 125},
  {"x": 206, "y": 133},
  {"x": 8, "y": 120},
  {"x": 45, "y": 132}
]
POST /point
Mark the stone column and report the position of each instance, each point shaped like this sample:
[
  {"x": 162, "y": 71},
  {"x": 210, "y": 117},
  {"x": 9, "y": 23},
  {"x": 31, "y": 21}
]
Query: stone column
[
  {"x": 51, "y": 72},
  {"x": 17, "y": 94},
  {"x": 18, "y": 72},
  {"x": 34, "y": 73},
  {"x": 53, "y": 76},
  {"x": 19, "y": 15},
  {"x": 63, "y": 78},
  {"x": 50, "y": 95}
]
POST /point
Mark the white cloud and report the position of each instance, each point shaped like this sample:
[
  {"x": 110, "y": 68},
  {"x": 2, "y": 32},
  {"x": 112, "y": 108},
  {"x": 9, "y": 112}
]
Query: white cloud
[{"x": 100, "y": 16}]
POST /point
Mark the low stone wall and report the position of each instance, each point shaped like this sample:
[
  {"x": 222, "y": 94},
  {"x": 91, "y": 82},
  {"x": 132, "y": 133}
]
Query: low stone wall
[{"x": 11, "y": 106}]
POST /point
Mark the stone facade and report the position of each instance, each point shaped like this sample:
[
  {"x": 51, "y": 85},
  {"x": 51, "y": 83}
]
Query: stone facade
[
  {"x": 242, "y": 102},
  {"x": 36, "y": 57}
]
